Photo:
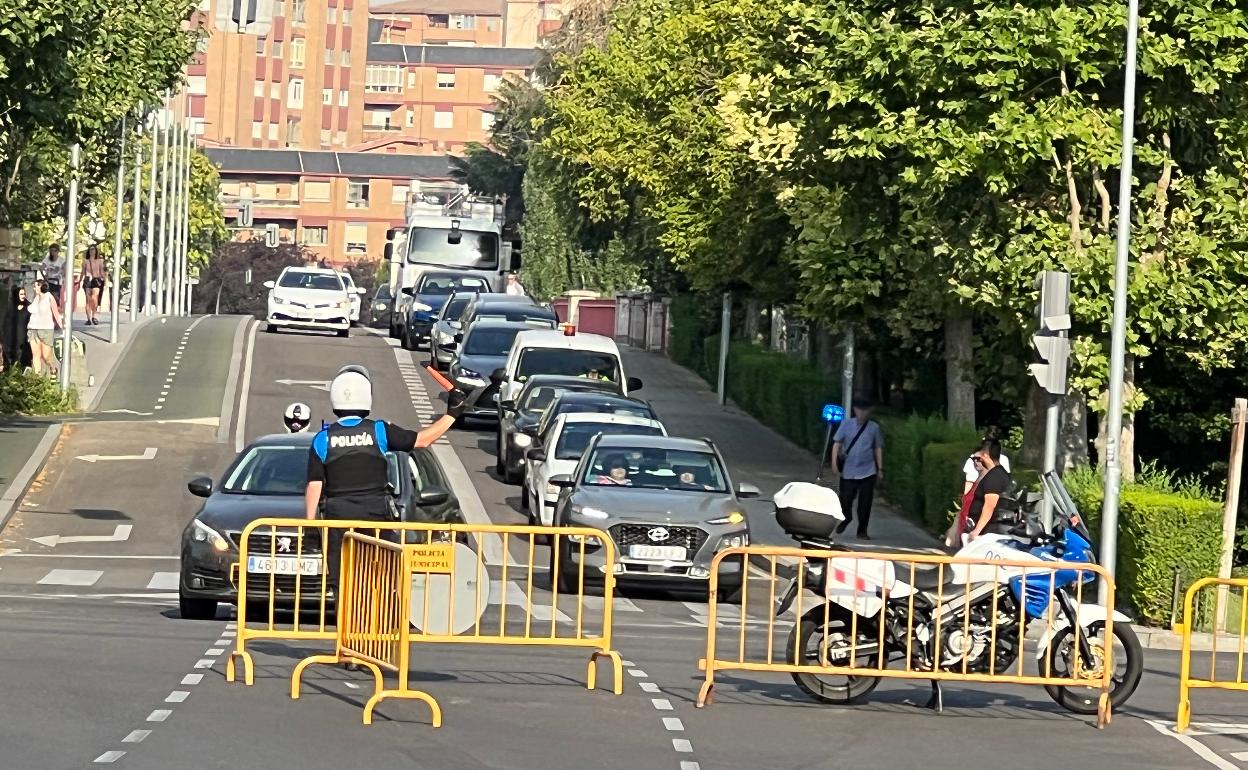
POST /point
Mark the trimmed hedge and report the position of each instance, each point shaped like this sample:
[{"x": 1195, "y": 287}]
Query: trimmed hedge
[
  {"x": 942, "y": 482},
  {"x": 690, "y": 325},
  {"x": 1157, "y": 531},
  {"x": 925, "y": 485}
]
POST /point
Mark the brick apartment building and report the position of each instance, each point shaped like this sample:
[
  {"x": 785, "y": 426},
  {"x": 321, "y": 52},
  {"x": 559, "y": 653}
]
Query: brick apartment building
[{"x": 326, "y": 113}]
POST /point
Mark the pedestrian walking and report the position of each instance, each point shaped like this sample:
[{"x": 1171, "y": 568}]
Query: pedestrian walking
[
  {"x": 514, "y": 287},
  {"x": 45, "y": 319},
  {"x": 92, "y": 279},
  {"x": 53, "y": 269},
  {"x": 858, "y": 455},
  {"x": 16, "y": 346}
]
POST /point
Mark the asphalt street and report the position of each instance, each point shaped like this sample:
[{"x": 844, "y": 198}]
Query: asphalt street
[{"x": 101, "y": 670}]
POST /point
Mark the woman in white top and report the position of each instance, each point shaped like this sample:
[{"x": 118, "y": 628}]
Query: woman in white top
[
  {"x": 971, "y": 471},
  {"x": 45, "y": 318}
]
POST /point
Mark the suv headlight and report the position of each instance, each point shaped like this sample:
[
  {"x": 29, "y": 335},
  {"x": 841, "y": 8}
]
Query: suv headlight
[
  {"x": 586, "y": 512},
  {"x": 736, "y": 517},
  {"x": 202, "y": 533},
  {"x": 738, "y": 540},
  {"x": 470, "y": 376},
  {"x": 521, "y": 440}
]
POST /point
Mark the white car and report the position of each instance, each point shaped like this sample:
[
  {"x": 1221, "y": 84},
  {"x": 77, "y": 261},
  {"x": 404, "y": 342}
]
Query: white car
[
  {"x": 309, "y": 298},
  {"x": 354, "y": 294},
  {"x": 565, "y": 444}
]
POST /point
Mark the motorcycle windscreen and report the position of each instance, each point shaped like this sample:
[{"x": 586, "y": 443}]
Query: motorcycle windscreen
[{"x": 859, "y": 584}]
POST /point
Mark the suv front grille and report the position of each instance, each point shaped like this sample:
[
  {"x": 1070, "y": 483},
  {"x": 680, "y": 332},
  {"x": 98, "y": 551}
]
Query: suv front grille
[{"x": 625, "y": 535}]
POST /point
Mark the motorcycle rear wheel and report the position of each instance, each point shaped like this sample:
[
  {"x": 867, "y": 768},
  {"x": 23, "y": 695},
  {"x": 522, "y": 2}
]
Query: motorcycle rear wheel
[
  {"x": 809, "y": 637},
  {"x": 1084, "y": 700}
]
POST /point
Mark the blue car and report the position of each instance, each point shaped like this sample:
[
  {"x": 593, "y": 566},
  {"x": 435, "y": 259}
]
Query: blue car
[{"x": 425, "y": 299}]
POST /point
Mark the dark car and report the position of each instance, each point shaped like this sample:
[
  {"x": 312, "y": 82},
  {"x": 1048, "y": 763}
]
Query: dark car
[
  {"x": 602, "y": 403},
  {"x": 446, "y": 327},
  {"x": 516, "y": 417},
  {"x": 267, "y": 479},
  {"x": 485, "y": 346},
  {"x": 424, "y": 301},
  {"x": 538, "y": 316},
  {"x": 380, "y": 308}
]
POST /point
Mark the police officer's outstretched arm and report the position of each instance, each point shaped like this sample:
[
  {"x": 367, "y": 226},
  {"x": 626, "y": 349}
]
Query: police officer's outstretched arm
[{"x": 404, "y": 440}]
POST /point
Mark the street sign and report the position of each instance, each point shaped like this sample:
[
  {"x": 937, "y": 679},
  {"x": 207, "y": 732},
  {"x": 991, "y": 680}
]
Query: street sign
[
  {"x": 244, "y": 214},
  {"x": 1050, "y": 342},
  {"x": 833, "y": 413},
  {"x": 271, "y": 235}
]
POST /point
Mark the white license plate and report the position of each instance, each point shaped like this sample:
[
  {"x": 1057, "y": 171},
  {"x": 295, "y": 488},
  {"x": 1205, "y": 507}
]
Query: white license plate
[
  {"x": 657, "y": 552},
  {"x": 283, "y": 565}
]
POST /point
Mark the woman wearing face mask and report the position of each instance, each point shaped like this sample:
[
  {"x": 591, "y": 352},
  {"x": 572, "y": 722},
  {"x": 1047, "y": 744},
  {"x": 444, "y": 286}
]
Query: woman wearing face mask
[{"x": 45, "y": 319}]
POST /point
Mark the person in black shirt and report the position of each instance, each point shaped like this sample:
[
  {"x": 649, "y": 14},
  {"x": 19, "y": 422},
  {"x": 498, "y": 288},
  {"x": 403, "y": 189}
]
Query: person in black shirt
[
  {"x": 347, "y": 467},
  {"x": 992, "y": 484}
]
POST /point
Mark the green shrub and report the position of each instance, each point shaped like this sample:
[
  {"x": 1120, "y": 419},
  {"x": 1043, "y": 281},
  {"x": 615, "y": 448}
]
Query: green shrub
[
  {"x": 1157, "y": 531},
  {"x": 24, "y": 392},
  {"x": 690, "y": 324},
  {"x": 942, "y": 480}
]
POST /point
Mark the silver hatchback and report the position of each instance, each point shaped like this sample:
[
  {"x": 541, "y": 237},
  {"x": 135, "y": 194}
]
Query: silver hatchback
[{"x": 668, "y": 505}]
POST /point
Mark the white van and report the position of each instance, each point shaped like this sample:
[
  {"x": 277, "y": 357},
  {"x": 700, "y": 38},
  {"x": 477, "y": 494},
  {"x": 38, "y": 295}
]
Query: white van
[{"x": 563, "y": 352}]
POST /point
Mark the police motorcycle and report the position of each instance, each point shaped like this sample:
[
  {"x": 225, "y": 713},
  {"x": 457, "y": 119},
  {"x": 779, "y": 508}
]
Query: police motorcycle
[{"x": 939, "y": 616}]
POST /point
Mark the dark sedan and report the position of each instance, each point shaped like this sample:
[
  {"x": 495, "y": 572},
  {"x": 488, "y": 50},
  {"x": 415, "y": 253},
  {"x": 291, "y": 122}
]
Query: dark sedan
[
  {"x": 380, "y": 308},
  {"x": 425, "y": 300},
  {"x": 517, "y": 417},
  {"x": 484, "y": 348},
  {"x": 601, "y": 403},
  {"x": 267, "y": 479}
]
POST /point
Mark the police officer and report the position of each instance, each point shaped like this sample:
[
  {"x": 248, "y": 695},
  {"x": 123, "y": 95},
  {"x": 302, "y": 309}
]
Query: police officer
[{"x": 347, "y": 468}]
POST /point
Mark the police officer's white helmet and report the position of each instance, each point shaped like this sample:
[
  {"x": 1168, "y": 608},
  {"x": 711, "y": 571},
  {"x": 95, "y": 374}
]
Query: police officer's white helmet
[
  {"x": 351, "y": 390},
  {"x": 297, "y": 417}
]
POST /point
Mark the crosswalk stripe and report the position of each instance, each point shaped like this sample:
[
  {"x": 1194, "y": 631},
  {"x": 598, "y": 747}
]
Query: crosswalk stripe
[
  {"x": 71, "y": 577},
  {"x": 621, "y": 604},
  {"x": 516, "y": 598},
  {"x": 163, "y": 581}
]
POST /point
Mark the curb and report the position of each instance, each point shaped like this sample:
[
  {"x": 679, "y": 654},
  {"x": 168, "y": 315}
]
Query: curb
[
  {"x": 21, "y": 482},
  {"x": 1150, "y": 638}
]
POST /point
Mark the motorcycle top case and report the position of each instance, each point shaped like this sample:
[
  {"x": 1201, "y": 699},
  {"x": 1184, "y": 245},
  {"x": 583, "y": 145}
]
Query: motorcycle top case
[{"x": 808, "y": 510}]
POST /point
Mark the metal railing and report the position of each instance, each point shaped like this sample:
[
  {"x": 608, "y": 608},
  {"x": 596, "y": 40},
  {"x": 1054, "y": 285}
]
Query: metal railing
[{"x": 1212, "y": 614}]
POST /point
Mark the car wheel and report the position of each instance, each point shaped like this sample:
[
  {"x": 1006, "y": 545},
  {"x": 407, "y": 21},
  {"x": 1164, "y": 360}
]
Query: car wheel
[
  {"x": 405, "y": 341},
  {"x": 524, "y": 501},
  {"x": 271, "y": 329},
  {"x": 500, "y": 456},
  {"x": 344, "y": 332},
  {"x": 196, "y": 609},
  {"x": 568, "y": 574}
]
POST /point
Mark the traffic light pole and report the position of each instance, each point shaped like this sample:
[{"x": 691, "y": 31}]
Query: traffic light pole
[{"x": 1053, "y": 346}]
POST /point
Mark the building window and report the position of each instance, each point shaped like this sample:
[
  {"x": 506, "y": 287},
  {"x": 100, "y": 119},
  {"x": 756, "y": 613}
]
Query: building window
[
  {"x": 344, "y": 98},
  {"x": 346, "y": 16},
  {"x": 383, "y": 78},
  {"x": 357, "y": 237},
  {"x": 491, "y": 24},
  {"x": 329, "y": 57},
  {"x": 275, "y": 90},
  {"x": 260, "y": 46},
  {"x": 487, "y": 120},
  {"x": 316, "y": 191},
  {"x": 438, "y": 20},
  {"x": 378, "y": 120},
  {"x": 277, "y": 49},
  {"x": 411, "y": 78},
  {"x": 294, "y": 93},
  {"x": 273, "y": 131},
  {"x": 462, "y": 21},
  {"x": 327, "y": 96},
  {"x": 410, "y": 117},
  {"x": 315, "y": 236},
  {"x": 324, "y": 137},
  {"x": 257, "y": 129},
  {"x": 492, "y": 81},
  {"x": 346, "y": 58},
  {"x": 331, "y": 17},
  {"x": 357, "y": 193},
  {"x": 277, "y": 7},
  {"x": 340, "y": 138},
  {"x": 446, "y": 80},
  {"x": 298, "y": 47},
  {"x": 292, "y": 132},
  {"x": 443, "y": 118},
  {"x": 259, "y": 89},
  {"x": 300, "y": 11}
]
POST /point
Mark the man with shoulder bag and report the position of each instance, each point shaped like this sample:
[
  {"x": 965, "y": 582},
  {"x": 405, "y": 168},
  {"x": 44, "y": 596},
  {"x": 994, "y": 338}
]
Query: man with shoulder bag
[{"x": 858, "y": 455}]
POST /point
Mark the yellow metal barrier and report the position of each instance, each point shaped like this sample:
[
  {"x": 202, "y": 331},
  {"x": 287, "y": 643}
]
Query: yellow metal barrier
[
  {"x": 1200, "y": 613},
  {"x": 939, "y": 643},
  {"x": 267, "y": 600}
]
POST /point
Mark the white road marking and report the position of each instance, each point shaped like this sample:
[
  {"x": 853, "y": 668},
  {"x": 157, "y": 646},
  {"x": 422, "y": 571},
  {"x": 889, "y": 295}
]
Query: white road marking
[
  {"x": 136, "y": 736},
  {"x": 120, "y": 533},
  {"x": 648, "y": 687},
  {"x": 516, "y": 598},
  {"x": 71, "y": 577},
  {"x": 1198, "y": 748},
  {"x": 682, "y": 745},
  {"x": 661, "y": 704},
  {"x": 1241, "y": 756},
  {"x": 241, "y": 424},
  {"x": 163, "y": 581},
  {"x": 621, "y": 604},
  {"x": 690, "y": 766},
  {"x": 215, "y": 651},
  {"x": 637, "y": 673},
  {"x": 159, "y": 715},
  {"x": 204, "y": 663},
  {"x": 177, "y": 696},
  {"x": 352, "y": 685},
  {"x": 192, "y": 679},
  {"x": 673, "y": 725},
  {"x": 109, "y": 757},
  {"x": 148, "y": 454},
  {"x": 231, "y": 383}
]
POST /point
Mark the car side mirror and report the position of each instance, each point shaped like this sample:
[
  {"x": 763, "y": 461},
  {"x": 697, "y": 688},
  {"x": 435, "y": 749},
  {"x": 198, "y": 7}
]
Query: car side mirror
[
  {"x": 459, "y": 337},
  {"x": 201, "y": 486},
  {"x": 748, "y": 490},
  {"x": 270, "y": 284},
  {"x": 409, "y": 290},
  {"x": 360, "y": 291},
  {"x": 507, "y": 404},
  {"x": 536, "y": 455},
  {"x": 498, "y": 376},
  {"x": 529, "y": 430},
  {"x": 455, "y": 324},
  {"x": 563, "y": 481},
  {"x": 516, "y": 261},
  {"x": 634, "y": 383},
  {"x": 447, "y": 347},
  {"x": 431, "y": 496}
]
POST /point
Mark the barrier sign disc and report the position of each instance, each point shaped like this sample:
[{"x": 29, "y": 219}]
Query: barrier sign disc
[{"x": 437, "y": 567}]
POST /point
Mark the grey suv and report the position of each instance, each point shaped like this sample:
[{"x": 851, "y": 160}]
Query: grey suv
[{"x": 667, "y": 503}]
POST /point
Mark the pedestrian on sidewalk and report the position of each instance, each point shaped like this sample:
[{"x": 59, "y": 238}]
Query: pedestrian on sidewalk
[
  {"x": 53, "y": 269},
  {"x": 858, "y": 454},
  {"x": 17, "y": 346},
  {"x": 92, "y": 279},
  {"x": 45, "y": 319},
  {"x": 514, "y": 287},
  {"x": 972, "y": 472},
  {"x": 982, "y": 507}
]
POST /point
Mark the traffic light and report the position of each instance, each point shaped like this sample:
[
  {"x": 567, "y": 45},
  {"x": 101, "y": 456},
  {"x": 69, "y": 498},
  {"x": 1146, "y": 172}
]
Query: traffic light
[
  {"x": 244, "y": 214},
  {"x": 1050, "y": 342}
]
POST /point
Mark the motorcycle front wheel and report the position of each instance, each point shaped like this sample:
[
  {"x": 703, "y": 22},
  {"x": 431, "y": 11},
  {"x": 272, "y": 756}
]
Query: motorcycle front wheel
[
  {"x": 1128, "y": 666},
  {"x": 830, "y": 647}
]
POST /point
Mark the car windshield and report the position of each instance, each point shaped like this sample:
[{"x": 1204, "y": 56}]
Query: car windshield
[
  {"x": 540, "y": 396},
  {"x": 454, "y": 310},
  {"x": 269, "y": 470},
  {"x": 574, "y": 363},
  {"x": 446, "y": 285},
  {"x": 647, "y": 468},
  {"x": 430, "y": 246},
  {"x": 536, "y": 319},
  {"x": 603, "y": 407},
  {"x": 297, "y": 279},
  {"x": 489, "y": 342},
  {"x": 384, "y": 292},
  {"x": 576, "y": 436},
  {"x": 346, "y": 280}
]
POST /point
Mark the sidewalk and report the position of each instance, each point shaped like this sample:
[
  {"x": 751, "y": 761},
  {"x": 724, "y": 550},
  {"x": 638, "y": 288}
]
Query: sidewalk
[
  {"x": 689, "y": 407},
  {"x": 26, "y": 441}
]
